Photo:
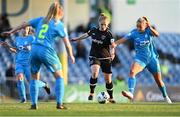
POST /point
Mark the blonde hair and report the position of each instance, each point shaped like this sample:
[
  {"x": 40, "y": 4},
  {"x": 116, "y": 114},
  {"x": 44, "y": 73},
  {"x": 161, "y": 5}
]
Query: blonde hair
[
  {"x": 53, "y": 11},
  {"x": 103, "y": 17}
]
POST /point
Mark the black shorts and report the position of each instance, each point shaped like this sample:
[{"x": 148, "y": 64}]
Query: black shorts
[{"x": 105, "y": 64}]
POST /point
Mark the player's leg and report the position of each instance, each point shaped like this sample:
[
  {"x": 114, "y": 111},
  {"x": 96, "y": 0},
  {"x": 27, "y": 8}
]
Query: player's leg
[
  {"x": 41, "y": 84},
  {"x": 52, "y": 63},
  {"x": 34, "y": 89},
  {"x": 95, "y": 66},
  {"x": 106, "y": 69},
  {"x": 154, "y": 68},
  {"x": 136, "y": 67},
  {"x": 20, "y": 82},
  {"x": 34, "y": 83}
]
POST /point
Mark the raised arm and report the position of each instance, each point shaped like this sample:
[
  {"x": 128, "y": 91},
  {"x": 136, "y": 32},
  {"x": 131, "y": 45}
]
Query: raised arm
[
  {"x": 153, "y": 30},
  {"x": 69, "y": 49},
  {"x": 81, "y": 37}
]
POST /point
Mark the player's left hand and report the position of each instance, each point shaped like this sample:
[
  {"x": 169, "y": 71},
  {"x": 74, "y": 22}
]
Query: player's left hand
[
  {"x": 72, "y": 59},
  {"x": 147, "y": 20},
  {"x": 7, "y": 33}
]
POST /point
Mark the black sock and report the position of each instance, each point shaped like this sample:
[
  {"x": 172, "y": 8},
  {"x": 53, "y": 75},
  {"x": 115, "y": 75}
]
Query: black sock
[
  {"x": 109, "y": 88},
  {"x": 92, "y": 84}
]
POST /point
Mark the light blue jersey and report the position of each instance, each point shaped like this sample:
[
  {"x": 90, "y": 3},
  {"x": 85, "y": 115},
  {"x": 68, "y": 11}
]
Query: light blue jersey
[
  {"x": 23, "y": 45},
  {"x": 46, "y": 34},
  {"x": 143, "y": 44},
  {"x": 42, "y": 47}
]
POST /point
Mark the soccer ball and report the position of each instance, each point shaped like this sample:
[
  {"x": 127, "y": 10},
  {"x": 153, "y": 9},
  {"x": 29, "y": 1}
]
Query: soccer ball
[{"x": 102, "y": 97}]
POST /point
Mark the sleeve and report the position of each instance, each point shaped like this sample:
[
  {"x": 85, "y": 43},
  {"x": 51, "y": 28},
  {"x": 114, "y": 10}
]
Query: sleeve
[
  {"x": 62, "y": 32},
  {"x": 111, "y": 39},
  {"x": 34, "y": 22},
  {"x": 91, "y": 31},
  {"x": 129, "y": 36}
]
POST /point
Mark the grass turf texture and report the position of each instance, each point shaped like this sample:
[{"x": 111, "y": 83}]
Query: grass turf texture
[{"x": 91, "y": 109}]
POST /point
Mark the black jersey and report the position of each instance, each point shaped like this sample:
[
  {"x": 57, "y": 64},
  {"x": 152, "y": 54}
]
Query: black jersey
[{"x": 101, "y": 40}]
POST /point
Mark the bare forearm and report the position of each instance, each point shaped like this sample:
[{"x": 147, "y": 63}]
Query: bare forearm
[
  {"x": 154, "y": 31},
  {"x": 120, "y": 41},
  {"x": 83, "y": 36}
]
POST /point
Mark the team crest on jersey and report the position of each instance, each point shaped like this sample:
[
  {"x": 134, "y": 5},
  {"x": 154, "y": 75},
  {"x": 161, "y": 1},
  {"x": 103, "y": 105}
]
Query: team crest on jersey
[
  {"x": 146, "y": 36},
  {"x": 103, "y": 37}
]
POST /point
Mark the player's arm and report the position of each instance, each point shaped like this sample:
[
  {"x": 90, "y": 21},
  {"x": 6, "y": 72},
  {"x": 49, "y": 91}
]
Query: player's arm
[
  {"x": 69, "y": 49},
  {"x": 10, "y": 48},
  {"x": 119, "y": 41},
  {"x": 154, "y": 32},
  {"x": 23, "y": 25},
  {"x": 81, "y": 37}
]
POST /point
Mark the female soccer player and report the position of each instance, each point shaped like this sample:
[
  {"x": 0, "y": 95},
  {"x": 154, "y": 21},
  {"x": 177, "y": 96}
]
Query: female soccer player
[
  {"x": 48, "y": 29},
  {"x": 101, "y": 55},
  {"x": 146, "y": 56},
  {"x": 22, "y": 61}
]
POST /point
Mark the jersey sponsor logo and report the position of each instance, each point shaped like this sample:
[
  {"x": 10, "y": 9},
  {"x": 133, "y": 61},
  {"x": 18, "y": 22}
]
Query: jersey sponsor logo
[
  {"x": 97, "y": 41},
  {"x": 103, "y": 37}
]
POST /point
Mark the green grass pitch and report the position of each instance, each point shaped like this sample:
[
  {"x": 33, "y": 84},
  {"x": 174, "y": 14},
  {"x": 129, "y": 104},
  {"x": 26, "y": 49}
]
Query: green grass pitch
[{"x": 91, "y": 109}]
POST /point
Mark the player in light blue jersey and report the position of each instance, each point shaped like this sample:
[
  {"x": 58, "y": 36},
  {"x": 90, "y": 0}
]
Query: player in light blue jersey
[
  {"x": 146, "y": 56},
  {"x": 48, "y": 29},
  {"x": 22, "y": 61}
]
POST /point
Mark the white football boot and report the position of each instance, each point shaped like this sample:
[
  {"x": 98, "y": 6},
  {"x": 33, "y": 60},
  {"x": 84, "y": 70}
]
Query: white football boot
[{"x": 127, "y": 94}]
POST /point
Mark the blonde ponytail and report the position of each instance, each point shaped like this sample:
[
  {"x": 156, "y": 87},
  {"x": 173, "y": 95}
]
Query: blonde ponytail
[{"x": 53, "y": 10}]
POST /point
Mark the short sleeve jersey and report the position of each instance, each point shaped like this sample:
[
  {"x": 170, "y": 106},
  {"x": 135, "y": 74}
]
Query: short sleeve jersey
[
  {"x": 46, "y": 34},
  {"x": 101, "y": 40},
  {"x": 143, "y": 43}
]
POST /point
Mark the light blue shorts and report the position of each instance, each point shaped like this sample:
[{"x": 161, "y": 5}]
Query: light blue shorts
[
  {"x": 43, "y": 55},
  {"x": 152, "y": 65}
]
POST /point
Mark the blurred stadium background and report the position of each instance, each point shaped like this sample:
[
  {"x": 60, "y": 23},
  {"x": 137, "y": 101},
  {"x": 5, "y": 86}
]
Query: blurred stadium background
[{"x": 80, "y": 16}]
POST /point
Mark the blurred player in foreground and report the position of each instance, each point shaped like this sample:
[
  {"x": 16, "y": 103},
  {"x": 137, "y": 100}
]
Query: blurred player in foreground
[{"x": 48, "y": 29}]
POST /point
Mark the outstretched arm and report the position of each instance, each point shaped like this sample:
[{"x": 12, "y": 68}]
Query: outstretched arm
[
  {"x": 119, "y": 41},
  {"x": 15, "y": 29},
  {"x": 81, "y": 37},
  {"x": 69, "y": 49},
  {"x": 10, "y": 48}
]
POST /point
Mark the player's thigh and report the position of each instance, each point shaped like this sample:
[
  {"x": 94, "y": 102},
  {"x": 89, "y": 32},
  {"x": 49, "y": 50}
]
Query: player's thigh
[
  {"x": 95, "y": 66},
  {"x": 136, "y": 67},
  {"x": 35, "y": 63},
  {"x": 106, "y": 66},
  {"x": 154, "y": 66},
  {"x": 52, "y": 62},
  {"x": 27, "y": 72}
]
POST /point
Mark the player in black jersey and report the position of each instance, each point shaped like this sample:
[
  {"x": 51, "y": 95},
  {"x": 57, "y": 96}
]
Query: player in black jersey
[{"x": 101, "y": 55}]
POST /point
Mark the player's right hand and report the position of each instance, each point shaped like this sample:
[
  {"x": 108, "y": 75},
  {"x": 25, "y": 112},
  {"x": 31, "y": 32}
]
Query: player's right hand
[{"x": 73, "y": 59}]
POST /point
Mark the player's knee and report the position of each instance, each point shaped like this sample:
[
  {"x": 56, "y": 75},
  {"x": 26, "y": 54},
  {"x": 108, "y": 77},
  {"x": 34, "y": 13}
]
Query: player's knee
[{"x": 132, "y": 73}]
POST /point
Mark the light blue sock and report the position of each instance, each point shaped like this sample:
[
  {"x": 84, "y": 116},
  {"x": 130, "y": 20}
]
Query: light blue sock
[
  {"x": 41, "y": 83},
  {"x": 163, "y": 91},
  {"x": 131, "y": 84},
  {"x": 34, "y": 90},
  {"x": 21, "y": 89},
  {"x": 59, "y": 90}
]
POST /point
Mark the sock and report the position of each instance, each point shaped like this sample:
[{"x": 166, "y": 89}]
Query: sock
[
  {"x": 41, "y": 83},
  {"x": 92, "y": 84},
  {"x": 34, "y": 90},
  {"x": 109, "y": 88},
  {"x": 59, "y": 90},
  {"x": 163, "y": 91},
  {"x": 131, "y": 84},
  {"x": 21, "y": 89}
]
